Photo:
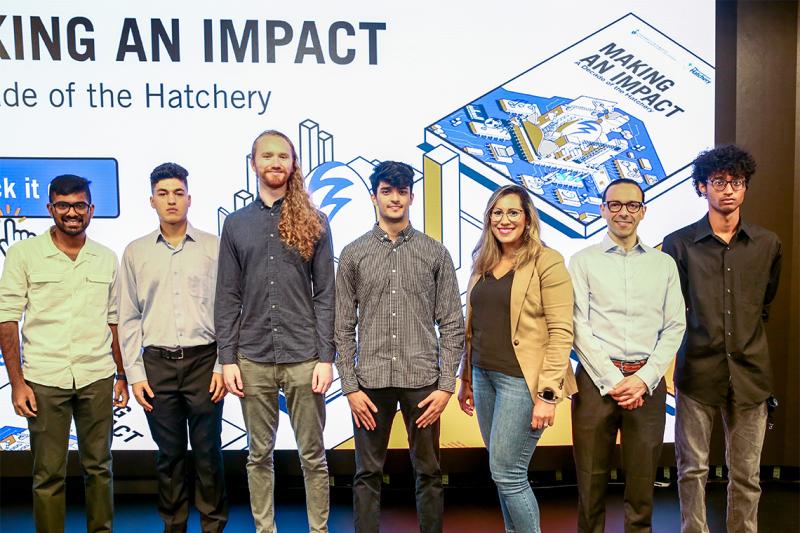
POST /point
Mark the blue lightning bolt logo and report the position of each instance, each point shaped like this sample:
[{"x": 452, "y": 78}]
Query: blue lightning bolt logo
[
  {"x": 318, "y": 180},
  {"x": 587, "y": 126}
]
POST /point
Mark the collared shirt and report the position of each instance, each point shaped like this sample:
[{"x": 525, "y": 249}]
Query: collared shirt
[
  {"x": 628, "y": 307},
  {"x": 166, "y": 295},
  {"x": 68, "y": 305},
  {"x": 397, "y": 293},
  {"x": 272, "y": 306},
  {"x": 728, "y": 288}
]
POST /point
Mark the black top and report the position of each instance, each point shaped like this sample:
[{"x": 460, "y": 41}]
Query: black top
[
  {"x": 272, "y": 306},
  {"x": 727, "y": 288},
  {"x": 491, "y": 325}
]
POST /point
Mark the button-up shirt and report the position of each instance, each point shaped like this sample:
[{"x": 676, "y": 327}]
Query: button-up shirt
[
  {"x": 166, "y": 295},
  {"x": 68, "y": 305},
  {"x": 397, "y": 293},
  {"x": 272, "y": 306},
  {"x": 628, "y": 307},
  {"x": 728, "y": 288}
]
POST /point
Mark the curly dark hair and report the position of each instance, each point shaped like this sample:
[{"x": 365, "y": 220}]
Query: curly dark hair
[
  {"x": 166, "y": 171},
  {"x": 725, "y": 159}
]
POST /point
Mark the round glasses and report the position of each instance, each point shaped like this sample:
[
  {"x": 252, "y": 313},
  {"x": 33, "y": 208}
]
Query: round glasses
[
  {"x": 720, "y": 184},
  {"x": 62, "y": 208},
  {"x": 615, "y": 207},
  {"x": 513, "y": 215}
]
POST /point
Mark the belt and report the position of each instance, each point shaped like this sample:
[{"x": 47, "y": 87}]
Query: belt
[
  {"x": 181, "y": 351},
  {"x": 629, "y": 367}
]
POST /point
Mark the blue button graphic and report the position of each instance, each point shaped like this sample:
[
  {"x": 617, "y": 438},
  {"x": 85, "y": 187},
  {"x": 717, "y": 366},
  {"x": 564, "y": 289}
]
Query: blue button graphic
[{"x": 24, "y": 183}]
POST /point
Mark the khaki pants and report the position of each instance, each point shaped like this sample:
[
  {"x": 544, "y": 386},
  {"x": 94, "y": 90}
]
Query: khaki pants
[
  {"x": 262, "y": 381},
  {"x": 91, "y": 406}
]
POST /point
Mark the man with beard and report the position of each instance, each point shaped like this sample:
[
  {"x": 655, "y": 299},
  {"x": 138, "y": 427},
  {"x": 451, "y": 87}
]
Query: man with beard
[
  {"x": 629, "y": 321},
  {"x": 729, "y": 271},
  {"x": 397, "y": 285},
  {"x": 274, "y": 320},
  {"x": 65, "y": 285},
  {"x": 166, "y": 324}
]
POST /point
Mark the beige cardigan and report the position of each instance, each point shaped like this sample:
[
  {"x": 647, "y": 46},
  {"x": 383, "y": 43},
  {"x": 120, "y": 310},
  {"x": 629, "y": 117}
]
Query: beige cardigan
[{"x": 541, "y": 325}]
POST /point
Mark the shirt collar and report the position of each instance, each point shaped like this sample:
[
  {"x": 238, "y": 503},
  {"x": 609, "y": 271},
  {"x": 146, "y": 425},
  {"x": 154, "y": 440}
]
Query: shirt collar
[
  {"x": 382, "y": 236},
  {"x": 89, "y": 246},
  {"x": 609, "y": 245},
  {"x": 276, "y": 204},
  {"x": 702, "y": 229},
  {"x": 191, "y": 234}
]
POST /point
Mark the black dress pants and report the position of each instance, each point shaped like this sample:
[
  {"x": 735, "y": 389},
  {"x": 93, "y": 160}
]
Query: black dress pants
[
  {"x": 370, "y": 454},
  {"x": 595, "y": 422},
  {"x": 182, "y": 401}
]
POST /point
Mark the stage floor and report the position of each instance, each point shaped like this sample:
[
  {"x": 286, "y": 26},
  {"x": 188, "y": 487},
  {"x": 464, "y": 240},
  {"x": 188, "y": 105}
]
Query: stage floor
[{"x": 465, "y": 511}]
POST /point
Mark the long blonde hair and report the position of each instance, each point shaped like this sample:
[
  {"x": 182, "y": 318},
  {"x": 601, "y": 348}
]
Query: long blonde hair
[
  {"x": 300, "y": 224},
  {"x": 487, "y": 252}
]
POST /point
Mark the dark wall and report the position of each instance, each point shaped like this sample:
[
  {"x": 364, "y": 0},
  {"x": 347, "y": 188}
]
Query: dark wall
[{"x": 765, "y": 123}]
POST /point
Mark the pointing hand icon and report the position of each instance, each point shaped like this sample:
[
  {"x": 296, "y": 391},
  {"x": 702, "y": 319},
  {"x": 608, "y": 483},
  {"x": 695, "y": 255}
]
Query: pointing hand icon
[{"x": 12, "y": 235}]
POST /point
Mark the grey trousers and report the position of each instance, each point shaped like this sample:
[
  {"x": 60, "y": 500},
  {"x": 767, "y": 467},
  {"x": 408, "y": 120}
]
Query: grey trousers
[
  {"x": 744, "y": 427},
  {"x": 91, "y": 407},
  {"x": 262, "y": 381}
]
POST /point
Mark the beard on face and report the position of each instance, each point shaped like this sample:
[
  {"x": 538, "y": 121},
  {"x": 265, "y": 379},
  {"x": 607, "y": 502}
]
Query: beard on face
[{"x": 72, "y": 230}]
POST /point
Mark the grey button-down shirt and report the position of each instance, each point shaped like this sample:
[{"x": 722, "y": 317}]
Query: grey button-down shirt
[
  {"x": 628, "y": 307},
  {"x": 271, "y": 305},
  {"x": 166, "y": 295},
  {"x": 397, "y": 293}
]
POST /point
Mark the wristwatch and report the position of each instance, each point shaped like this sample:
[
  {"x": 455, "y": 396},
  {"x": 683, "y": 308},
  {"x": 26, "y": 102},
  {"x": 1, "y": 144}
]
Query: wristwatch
[{"x": 548, "y": 395}]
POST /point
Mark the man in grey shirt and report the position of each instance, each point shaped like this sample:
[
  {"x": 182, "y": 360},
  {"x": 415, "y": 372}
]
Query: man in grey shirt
[
  {"x": 397, "y": 284},
  {"x": 274, "y": 320},
  {"x": 166, "y": 326}
]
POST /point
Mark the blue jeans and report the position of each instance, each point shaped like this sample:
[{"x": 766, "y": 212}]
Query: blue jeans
[{"x": 504, "y": 406}]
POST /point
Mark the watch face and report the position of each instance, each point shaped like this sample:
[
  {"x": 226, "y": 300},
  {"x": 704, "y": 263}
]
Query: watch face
[{"x": 548, "y": 395}]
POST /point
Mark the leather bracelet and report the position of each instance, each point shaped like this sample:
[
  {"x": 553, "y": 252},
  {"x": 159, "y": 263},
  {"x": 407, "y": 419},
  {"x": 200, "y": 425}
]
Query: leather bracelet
[{"x": 120, "y": 377}]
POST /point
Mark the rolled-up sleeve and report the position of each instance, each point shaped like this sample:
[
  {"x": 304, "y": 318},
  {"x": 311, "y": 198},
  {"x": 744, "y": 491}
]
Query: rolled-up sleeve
[{"x": 13, "y": 286}]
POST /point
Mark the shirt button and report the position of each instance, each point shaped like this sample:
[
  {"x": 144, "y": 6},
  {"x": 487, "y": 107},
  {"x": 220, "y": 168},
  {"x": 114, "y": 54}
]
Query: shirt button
[
  {"x": 271, "y": 257},
  {"x": 394, "y": 358},
  {"x": 274, "y": 329},
  {"x": 393, "y": 291},
  {"x": 274, "y": 306},
  {"x": 393, "y": 271},
  {"x": 394, "y": 336},
  {"x": 728, "y": 269},
  {"x": 729, "y": 311},
  {"x": 728, "y": 291},
  {"x": 729, "y": 334},
  {"x": 271, "y": 234},
  {"x": 272, "y": 283},
  {"x": 395, "y": 250},
  {"x": 393, "y": 313},
  {"x": 516, "y": 342},
  {"x": 729, "y": 355}
]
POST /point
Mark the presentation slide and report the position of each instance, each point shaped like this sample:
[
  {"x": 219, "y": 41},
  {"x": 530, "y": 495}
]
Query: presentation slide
[{"x": 560, "y": 97}]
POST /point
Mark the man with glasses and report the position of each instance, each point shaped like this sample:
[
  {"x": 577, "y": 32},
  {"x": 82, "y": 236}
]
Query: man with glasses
[
  {"x": 65, "y": 285},
  {"x": 629, "y": 321},
  {"x": 729, "y": 273}
]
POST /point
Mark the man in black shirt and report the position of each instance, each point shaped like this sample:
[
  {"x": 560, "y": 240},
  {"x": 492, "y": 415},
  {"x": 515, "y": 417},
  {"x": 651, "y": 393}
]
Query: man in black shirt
[
  {"x": 729, "y": 273},
  {"x": 274, "y": 322}
]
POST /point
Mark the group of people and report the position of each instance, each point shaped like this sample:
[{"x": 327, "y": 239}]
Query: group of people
[{"x": 187, "y": 318}]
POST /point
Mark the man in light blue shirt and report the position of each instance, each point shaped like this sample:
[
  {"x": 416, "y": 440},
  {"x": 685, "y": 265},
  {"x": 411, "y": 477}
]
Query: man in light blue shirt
[{"x": 629, "y": 322}]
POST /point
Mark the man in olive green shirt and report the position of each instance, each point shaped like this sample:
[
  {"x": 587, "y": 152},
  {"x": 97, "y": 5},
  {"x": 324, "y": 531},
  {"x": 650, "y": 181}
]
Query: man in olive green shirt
[{"x": 65, "y": 286}]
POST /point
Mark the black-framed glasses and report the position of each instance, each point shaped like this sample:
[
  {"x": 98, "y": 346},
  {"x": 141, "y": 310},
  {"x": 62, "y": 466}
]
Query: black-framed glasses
[
  {"x": 513, "y": 215},
  {"x": 62, "y": 208},
  {"x": 615, "y": 206},
  {"x": 720, "y": 184}
]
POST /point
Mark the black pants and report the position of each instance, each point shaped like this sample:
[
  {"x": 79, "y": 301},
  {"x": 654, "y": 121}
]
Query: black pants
[
  {"x": 182, "y": 399},
  {"x": 370, "y": 454},
  {"x": 595, "y": 422}
]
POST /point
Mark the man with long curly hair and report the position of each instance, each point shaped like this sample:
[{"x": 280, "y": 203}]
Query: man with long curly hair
[
  {"x": 729, "y": 271},
  {"x": 274, "y": 314}
]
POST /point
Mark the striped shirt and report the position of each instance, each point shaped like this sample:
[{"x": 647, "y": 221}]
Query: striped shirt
[{"x": 398, "y": 293}]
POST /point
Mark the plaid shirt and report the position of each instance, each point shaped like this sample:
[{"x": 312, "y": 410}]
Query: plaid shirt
[{"x": 398, "y": 293}]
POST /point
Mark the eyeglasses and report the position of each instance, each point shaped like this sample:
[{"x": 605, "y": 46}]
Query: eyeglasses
[
  {"x": 615, "y": 207},
  {"x": 513, "y": 215},
  {"x": 62, "y": 208},
  {"x": 720, "y": 184}
]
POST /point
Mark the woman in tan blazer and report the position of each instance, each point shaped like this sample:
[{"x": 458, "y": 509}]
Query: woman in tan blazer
[{"x": 516, "y": 365}]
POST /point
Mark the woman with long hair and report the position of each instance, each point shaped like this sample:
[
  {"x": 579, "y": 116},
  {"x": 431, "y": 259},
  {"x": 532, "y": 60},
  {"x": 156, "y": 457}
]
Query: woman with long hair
[{"x": 516, "y": 365}]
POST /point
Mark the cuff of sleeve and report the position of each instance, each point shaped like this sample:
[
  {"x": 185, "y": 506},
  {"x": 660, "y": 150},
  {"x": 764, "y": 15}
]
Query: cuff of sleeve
[
  {"x": 113, "y": 318},
  {"x": 349, "y": 384},
  {"x": 327, "y": 358},
  {"x": 649, "y": 376},
  {"x": 608, "y": 380},
  {"x": 226, "y": 358},
  {"x": 135, "y": 373},
  {"x": 447, "y": 383},
  {"x": 555, "y": 386}
]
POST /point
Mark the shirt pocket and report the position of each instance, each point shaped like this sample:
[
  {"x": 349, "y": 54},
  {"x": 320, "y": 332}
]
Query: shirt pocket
[
  {"x": 97, "y": 287},
  {"x": 47, "y": 289}
]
